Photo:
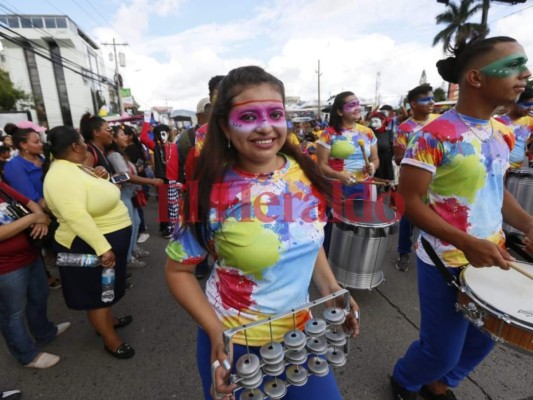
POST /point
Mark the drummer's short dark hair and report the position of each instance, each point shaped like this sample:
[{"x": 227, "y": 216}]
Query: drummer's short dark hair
[{"x": 413, "y": 94}]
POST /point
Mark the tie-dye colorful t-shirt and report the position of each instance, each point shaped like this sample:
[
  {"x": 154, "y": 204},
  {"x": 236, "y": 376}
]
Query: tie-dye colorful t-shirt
[
  {"x": 268, "y": 230},
  {"x": 467, "y": 185},
  {"x": 407, "y": 128},
  {"x": 522, "y": 129},
  {"x": 345, "y": 152}
]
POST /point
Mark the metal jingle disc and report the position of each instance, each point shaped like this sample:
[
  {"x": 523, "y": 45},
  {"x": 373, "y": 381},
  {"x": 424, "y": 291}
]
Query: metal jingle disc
[
  {"x": 315, "y": 327},
  {"x": 318, "y": 366},
  {"x": 317, "y": 345},
  {"x": 296, "y": 356},
  {"x": 335, "y": 357},
  {"x": 274, "y": 369},
  {"x": 275, "y": 388},
  {"x": 336, "y": 337},
  {"x": 247, "y": 365},
  {"x": 294, "y": 339},
  {"x": 334, "y": 315},
  {"x": 272, "y": 353},
  {"x": 296, "y": 375},
  {"x": 251, "y": 394},
  {"x": 253, "y": 381}
]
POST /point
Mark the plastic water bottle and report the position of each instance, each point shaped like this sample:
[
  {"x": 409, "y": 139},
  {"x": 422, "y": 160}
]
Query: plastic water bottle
[
  {"x": 77, "y": 260},
  {"x": 108, "y": 285}
]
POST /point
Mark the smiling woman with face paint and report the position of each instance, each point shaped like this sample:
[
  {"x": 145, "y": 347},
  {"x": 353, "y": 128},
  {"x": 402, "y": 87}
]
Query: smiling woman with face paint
[
  {"x": 452, "y": 183},
  {"x": 339, "y": 147},
  {"x": 257, "y": 206}
]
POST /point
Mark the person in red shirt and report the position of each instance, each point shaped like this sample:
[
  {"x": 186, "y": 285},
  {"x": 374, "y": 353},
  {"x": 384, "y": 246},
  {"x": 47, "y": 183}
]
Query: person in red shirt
[{"x": 23, "y": 284}]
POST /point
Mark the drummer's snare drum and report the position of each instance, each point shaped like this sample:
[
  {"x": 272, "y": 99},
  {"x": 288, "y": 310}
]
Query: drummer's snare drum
[
  {"x": 519, "y": 182},
  {"x": 499, "y": 302},
  {"x": 360, "y": 239}
]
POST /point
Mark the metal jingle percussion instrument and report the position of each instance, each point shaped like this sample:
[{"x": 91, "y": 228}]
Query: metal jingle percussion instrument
[
  {"x": 252, "y": 394},
  {"x": 272, "y": 353},
  {"x": 275, "y": 388},
  {"x": 499, "y": 302},
  {"x": 315, "y": 327},
  {"x": 296, "y": 375},
  {"x": 334, "y": 316},
  {"x": 252, "y": 370}
]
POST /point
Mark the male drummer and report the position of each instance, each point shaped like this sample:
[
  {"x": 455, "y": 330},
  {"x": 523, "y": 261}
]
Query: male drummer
[
  {"x": 421, "y": 101},
  {"x": 452, "y": 184},
  {"x": 520, "y": 120}
]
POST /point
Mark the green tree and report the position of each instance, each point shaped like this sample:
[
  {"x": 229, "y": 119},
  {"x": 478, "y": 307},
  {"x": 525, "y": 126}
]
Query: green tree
[
  {"x": 9, "y": 94},
  {"x": 458, "y": 28},
  {"x": 439, "y": 94}
]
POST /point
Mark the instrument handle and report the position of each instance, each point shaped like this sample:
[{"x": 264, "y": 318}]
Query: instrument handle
[
  {"x": 517, "y": 268},
  {"x": 362, "y": 146}
]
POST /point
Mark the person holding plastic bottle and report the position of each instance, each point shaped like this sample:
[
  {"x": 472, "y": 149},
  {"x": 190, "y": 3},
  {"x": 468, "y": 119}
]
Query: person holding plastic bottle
[{"x": 92, "y": 220}]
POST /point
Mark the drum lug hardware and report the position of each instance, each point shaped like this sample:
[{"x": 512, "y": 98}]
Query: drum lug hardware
[{"x": 471, "y": 313}]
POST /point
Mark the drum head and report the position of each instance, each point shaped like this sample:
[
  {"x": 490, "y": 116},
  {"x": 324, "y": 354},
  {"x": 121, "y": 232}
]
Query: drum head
[
  {"x": 506, "y": 292},
  {"x": 366, "y": 213}
]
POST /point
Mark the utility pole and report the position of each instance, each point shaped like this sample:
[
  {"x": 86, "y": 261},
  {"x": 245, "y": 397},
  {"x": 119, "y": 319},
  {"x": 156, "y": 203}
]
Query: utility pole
[
  {"x": 485, "y": 15},
  {"x": 117, "y": 76},
  {"x": 318, "y": 74}
]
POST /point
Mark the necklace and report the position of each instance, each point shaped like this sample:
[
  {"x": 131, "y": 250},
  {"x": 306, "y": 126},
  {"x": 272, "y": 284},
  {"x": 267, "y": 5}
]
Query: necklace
[{"x": 477, "y": 130}]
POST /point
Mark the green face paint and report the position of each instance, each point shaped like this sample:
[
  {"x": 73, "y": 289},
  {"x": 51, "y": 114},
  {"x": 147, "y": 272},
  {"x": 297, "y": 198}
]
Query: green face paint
[{"x": 511, "y": 65}]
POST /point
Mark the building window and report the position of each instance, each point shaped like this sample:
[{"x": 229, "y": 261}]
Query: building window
[
  {"x": 13, "y": 22},
  {"x": 25, "y": 22},
  {"x": 3, "y": 20},
  {"x": 37, "y": 22},
  {"x": 50, "y": 22},
  {"x": 35, "y": 83},
  {"x": 61, "y": 22},
  {"x": 61, "y": 83}
]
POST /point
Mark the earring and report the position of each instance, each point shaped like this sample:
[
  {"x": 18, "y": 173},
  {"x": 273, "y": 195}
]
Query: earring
[
  {"x": 229, "y": 144},
  {"x": 478, "y": 84}
]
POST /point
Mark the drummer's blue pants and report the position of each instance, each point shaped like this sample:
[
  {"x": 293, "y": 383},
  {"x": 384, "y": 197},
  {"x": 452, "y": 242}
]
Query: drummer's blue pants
[
  {"x": 449, "y": 347},
  {"x": 405, "y": 236},
  {"x": 316, "y": 388}
]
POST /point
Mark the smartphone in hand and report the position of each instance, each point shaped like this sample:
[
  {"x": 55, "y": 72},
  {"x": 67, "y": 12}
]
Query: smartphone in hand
[{"x": 119, "y": 178}]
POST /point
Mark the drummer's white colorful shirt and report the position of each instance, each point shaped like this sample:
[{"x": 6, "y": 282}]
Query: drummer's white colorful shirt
[
  {"x": 268, "y": 230},
  {"x": 467, "y": 185},
  {"x": 407, "y": 128},
  {"x": 522, "y": 129},
  {"x": 345, "y": 152}
]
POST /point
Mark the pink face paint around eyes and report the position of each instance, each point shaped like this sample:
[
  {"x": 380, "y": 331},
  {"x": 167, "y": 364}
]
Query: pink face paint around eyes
[
  {"x": 246, "y": 117},
  {"x": 351, "y": 106}
]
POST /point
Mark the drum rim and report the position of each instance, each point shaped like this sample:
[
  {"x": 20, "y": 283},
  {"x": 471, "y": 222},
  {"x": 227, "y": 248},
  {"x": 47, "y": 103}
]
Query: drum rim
[
  {"x": 366, "y": 224},
  {"x": 497, "y": 313},
  {"x": 521, "y": 171}
]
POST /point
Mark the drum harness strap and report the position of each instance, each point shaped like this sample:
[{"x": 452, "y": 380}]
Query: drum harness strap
[{"x": 451, "y": 280}]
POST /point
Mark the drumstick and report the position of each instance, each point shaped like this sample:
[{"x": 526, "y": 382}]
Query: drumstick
[
  {"x": 361, "y": 144},
  {"x": 519, "y": 269}
]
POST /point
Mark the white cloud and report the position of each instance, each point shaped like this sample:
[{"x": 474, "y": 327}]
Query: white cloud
[{"x": 353, "y": 39}]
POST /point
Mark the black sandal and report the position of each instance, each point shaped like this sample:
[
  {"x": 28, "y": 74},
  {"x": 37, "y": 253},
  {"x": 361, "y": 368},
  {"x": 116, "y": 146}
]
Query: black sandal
[{"x": 123, "y": 352}]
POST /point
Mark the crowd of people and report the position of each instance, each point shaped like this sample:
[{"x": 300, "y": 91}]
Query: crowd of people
[{"x": 81, "y": 191}]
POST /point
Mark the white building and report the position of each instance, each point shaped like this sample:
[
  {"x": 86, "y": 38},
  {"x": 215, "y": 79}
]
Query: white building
[{"x": 51, "y": 58}]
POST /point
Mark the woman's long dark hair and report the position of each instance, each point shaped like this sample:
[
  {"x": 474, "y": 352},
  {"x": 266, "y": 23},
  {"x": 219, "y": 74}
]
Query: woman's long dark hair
[
  {"x": 58, "y": 141},
  {"x": 20, "y": 136},
  {"x": 335, "y": 120},
  {"x": 216, "y": 157},
  {"x": 90, "y": 123}
]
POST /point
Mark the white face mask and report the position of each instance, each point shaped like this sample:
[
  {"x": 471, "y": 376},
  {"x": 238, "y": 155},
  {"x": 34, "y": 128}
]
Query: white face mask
[
  {"x": 164, "y": 136},
  {"x": 375, "y": 123}
]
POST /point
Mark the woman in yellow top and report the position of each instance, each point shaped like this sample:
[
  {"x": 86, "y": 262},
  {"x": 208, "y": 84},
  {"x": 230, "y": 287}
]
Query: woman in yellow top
[{"x": 92, "y": 220}]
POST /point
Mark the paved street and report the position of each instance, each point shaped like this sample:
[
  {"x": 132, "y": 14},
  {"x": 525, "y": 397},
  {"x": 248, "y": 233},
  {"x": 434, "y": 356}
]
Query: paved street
[{"x": 163, "y": 336}]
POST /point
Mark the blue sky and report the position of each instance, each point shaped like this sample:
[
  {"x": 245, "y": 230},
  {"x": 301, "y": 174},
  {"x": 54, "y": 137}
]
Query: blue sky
[{"x": 175, "y": 46}]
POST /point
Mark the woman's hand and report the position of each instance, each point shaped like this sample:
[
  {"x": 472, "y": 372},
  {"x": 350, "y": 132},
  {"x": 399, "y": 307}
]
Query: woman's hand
[
  {"x": 108, "y": 259},
  {"x": 222, "y": 372},
  {"x": 347, "y": 178},
  {"x": 158, "y": 182},
  {"x": 370, "y": 168},
  {"x": 352, "y": 319},
  {"x": 39, "y": 231},
  {"x": 101, "y": 172}
]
